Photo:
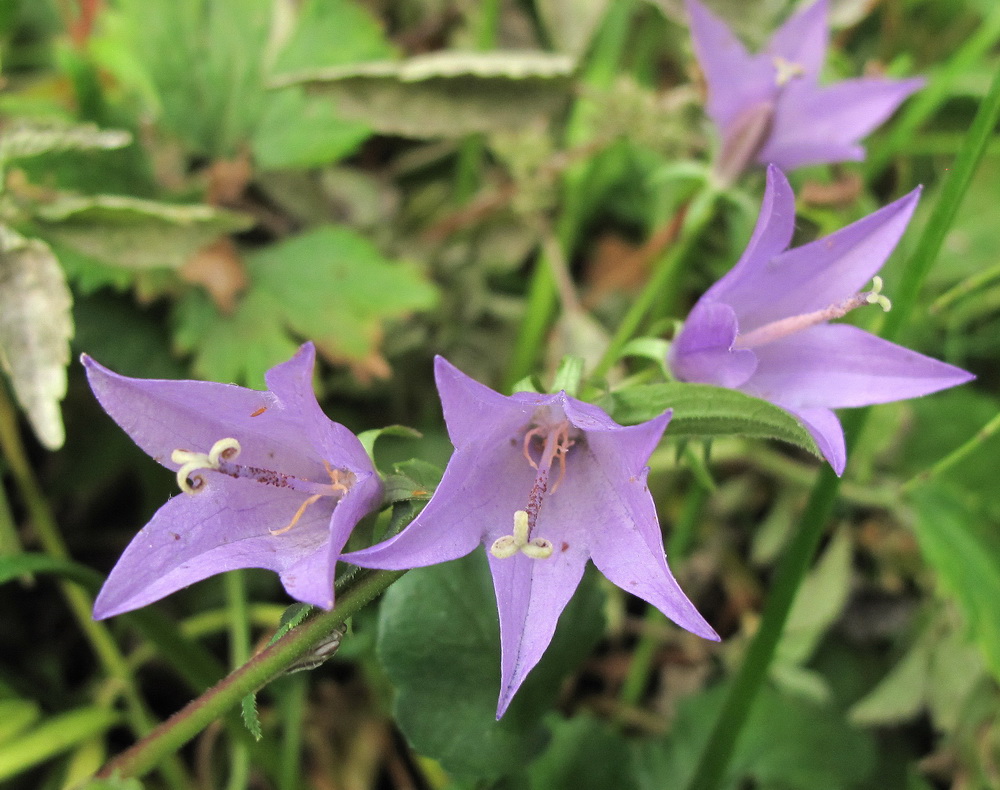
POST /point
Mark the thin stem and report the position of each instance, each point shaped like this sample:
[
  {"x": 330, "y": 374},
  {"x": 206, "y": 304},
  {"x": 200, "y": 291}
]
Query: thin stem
[
  {"x": 293, "y": 704},
  {"x": 239, "y": 652},
  {"x": 956, "y": 456},
  {"x": 662, "y": 284},
  {"x": 599, "y": 73},
  {"x": 140, "y": 720},
  {"x": 257, "y": 672},
  {"x": 964, "y": 288},
  {"x": 795, "y": 562}
]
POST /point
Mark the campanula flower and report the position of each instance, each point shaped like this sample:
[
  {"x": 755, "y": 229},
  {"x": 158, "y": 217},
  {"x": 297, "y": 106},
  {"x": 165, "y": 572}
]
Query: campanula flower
[
  {"x": 543, "y": 482},
  {"x": 266, "y": 479},
  {"x": 764, "y": 327},
  {"x": 770, "y": 108}
]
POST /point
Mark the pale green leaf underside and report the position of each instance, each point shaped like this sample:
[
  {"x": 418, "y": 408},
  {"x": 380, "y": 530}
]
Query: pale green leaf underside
[
  {"x": 36, "y": 325},
  {"x": 444, "y": 94}
]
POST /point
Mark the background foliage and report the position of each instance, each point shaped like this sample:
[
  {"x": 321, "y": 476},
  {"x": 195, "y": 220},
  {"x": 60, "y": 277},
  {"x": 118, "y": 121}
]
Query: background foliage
[{"x": 193, "y": 187}]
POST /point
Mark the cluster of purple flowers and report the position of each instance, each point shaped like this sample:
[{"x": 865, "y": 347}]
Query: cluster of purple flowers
[{"x": 546, "y": 482}]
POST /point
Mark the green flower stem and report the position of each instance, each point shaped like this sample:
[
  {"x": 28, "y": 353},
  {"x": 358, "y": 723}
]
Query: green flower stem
[
  {"x": 653, "y": 622},
  {"x": 293, "y": 708},
  {"x": 956, "y": 456},
  {"x": 184, "y": 725},
  {"x": 541, "y": 304},
  {"x": 139, "y": 719},
  {"x": 797, "y": 558},
  {"x": 662, "y": 285},
  {"x": 239, "y": 651},
  {"x": 792, "y": 568}
]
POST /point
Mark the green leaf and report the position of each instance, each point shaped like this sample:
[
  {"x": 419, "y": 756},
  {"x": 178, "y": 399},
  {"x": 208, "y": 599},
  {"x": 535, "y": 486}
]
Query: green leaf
[
  {"x": 299, "y": 131},
  {"x": 16, "y": 715},
  {"x": 585, "y": 754},
  {"x": 788, "y": 743},
  {"x": 16, "y": 565},
  {"x": 135, "y": 233},
  {"x": 438, "y": 640},
  {"x": 199, "y": 62},
  {"x": 55, "y": 735},
  {"x": 329, "y": 284},
  {"x": 36, "y": 325},
  {"x": 701, "y": 410},
  {"x": 968, "y": 568},
  {"x": 444, "y": 94},
  {"x": 368, "y": 438},
  {"x": 251, "y": 719}
]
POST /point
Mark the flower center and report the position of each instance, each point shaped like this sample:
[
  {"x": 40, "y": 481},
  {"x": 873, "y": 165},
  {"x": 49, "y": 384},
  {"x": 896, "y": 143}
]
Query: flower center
[
  {"x": 786, "y": 70},
  {"x": 556, "y": 440},
  {"x": 220, "y": 459},
  {"x": 796, "y": 323}
]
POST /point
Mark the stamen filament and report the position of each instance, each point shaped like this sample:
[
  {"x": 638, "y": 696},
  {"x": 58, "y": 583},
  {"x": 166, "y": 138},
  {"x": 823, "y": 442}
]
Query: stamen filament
[{"x": 776, "y": 330}]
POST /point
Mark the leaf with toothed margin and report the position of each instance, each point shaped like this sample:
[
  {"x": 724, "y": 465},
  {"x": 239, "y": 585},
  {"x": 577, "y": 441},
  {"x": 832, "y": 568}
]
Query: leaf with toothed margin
[
  {"x": 444, "y": 94},
  {"x": 439, "y": 642},
  {"x": 132, "y": 232}
]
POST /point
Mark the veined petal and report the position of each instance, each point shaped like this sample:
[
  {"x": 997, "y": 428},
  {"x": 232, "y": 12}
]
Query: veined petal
[
  {"x": 469, "y": 406},
  {"x": 606, "y": 489},
  {"x": 736, "y": 79},
  {"x": 829, "y": 435},
  {"x": 223, "y": 527},
  {"x": 164, "y": 415},
  {"x": 815, "y": 125},
  {"x": 771, "y": 236},
  {"x": 703, "y": 352},
  {"x": 291, "y": 383},
  {"x": 531, "y": 594},
  {"x": 834, "y": 366},
  {"x": 823, "y": 272},
  {"x": 474, "y": 504},
  {"x": 803, "y": 39}
]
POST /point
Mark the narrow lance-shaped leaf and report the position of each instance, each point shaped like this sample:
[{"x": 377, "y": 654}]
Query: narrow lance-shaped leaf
[
  {"x": 701, "y": 410},
  {"x": 35, "y": 329}
]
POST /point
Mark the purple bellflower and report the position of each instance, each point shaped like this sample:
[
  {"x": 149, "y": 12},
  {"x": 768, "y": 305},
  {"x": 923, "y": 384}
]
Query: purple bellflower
[
  {"x": 770, "y": 108},
  {"x": 266, "y": 479},
  {"x": 764, "y": 327},
  {"x": 544, "y": 482}
]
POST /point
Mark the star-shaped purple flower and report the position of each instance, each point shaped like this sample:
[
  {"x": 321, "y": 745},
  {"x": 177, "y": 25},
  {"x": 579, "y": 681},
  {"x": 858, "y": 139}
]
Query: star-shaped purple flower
[
  {"x": 544, "y": 482},
  {"x": 770, "y": 108},
  {"x": 764, "y": 327},
  {"x": 267, "y": 481}
]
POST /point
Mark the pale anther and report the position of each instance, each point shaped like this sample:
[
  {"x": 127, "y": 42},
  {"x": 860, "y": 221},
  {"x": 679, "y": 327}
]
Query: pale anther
[
  {"x": 509, "y": 545},
  {"x": 874, "y": 296},
  {"x": 223, "y": 450},
  {"x": 787, "y": 70}
]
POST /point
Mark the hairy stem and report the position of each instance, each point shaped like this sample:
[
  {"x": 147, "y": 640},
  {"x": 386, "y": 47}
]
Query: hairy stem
[{"x": 257, "y": 672}]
